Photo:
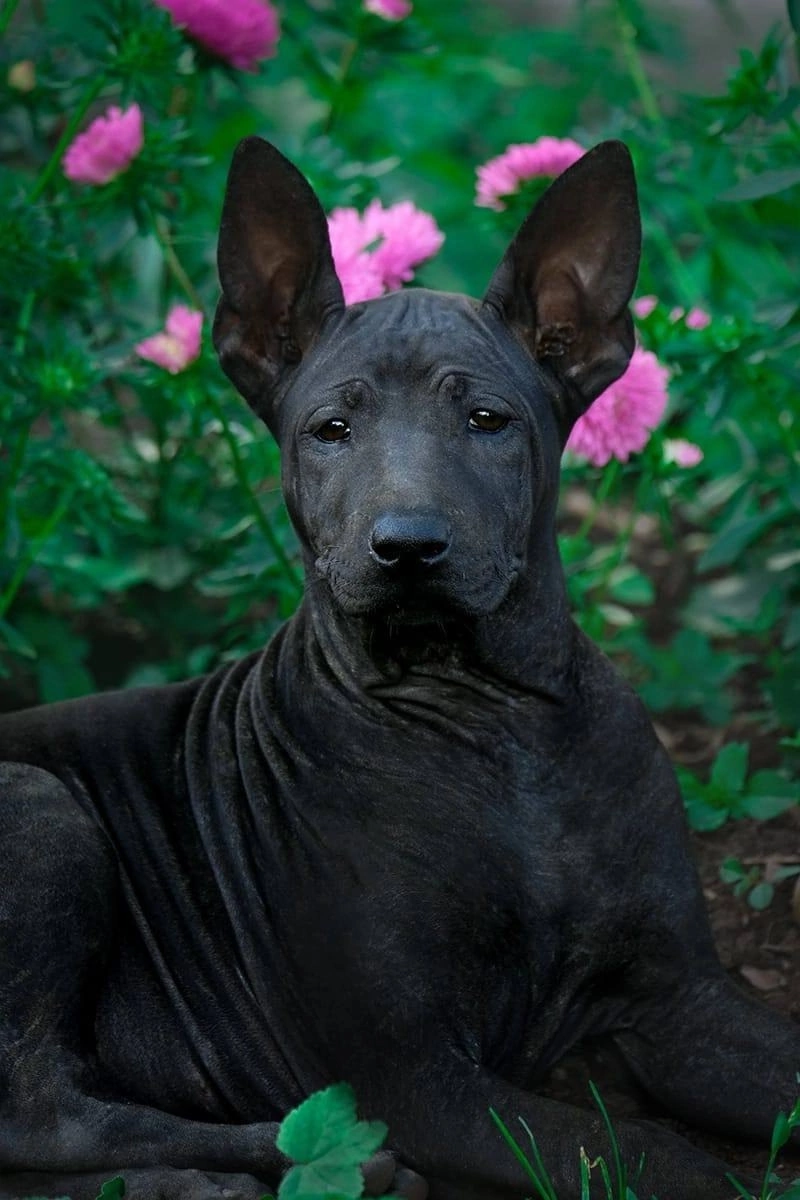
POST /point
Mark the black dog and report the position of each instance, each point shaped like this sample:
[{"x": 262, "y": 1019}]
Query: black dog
[{"x": 427, "y": 840}]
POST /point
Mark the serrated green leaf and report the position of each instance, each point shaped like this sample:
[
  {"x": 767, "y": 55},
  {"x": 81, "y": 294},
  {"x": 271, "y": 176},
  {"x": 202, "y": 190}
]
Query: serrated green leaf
[
  {"x": 313, "y": 1182},
  {"x": 319, "y": 1123},
  {"x": 325, "y": 1130}
]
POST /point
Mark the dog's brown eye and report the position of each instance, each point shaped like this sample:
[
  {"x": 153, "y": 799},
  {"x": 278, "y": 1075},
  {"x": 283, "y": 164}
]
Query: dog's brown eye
[
  {"x": 334, "y": 430},
  {"x": 486, "y": 420}
]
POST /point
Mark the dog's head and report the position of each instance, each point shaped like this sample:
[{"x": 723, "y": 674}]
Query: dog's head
[{"x": 421, "y": 432}]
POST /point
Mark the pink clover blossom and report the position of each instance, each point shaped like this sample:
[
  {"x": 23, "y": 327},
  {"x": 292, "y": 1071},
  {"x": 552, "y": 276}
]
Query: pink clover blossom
[
  {"x": 621, "y": 419},
  {"x": 178, "y": 344},
  {"x": 390, "y": 10},
  {"x": 377, "y": 251},
  {"x": 242, "y": 32},
  {"x": 681, "y": 452},
  {"x": 106, "y": 148},
  {"x": 502, "y": 176}
]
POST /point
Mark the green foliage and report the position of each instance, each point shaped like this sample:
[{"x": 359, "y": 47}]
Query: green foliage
[
  {"x": 749, "y": 882},
  {"x": 328, "y": 1144},
  {"x": 729, "y": 792},
  {"x": 772, "y": 1188},
  {"x": 614, "y": 1178}
]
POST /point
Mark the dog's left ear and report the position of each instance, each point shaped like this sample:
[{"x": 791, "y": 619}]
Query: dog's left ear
[
  {"x": 278, "y": 280},
  {"x": 566, "y": 279}
]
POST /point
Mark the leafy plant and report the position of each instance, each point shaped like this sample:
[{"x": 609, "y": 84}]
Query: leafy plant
[
  {"x": 749, "y": 881},
  {"x": 729, "y": 792},
  {"x": 328, "y": 1144},
  {"x": 771, "y": 1188}
]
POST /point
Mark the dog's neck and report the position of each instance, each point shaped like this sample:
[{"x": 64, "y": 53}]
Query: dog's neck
[{"x": 526, "y": 646}]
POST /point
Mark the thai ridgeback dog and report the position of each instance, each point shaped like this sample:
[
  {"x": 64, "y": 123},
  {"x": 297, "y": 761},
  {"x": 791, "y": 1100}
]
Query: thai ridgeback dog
[{"x": 425, "y": 841}]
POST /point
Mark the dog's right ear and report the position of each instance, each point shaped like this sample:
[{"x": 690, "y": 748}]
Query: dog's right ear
[{"x": 278, "y": 280}]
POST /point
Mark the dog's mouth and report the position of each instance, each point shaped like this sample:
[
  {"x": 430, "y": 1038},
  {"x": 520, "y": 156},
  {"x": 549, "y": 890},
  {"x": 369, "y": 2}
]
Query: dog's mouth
[{"x": 417, "y": 599}]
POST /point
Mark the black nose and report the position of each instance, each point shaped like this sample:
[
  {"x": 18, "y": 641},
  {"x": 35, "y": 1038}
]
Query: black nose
[{"x": 406, "y": 540}]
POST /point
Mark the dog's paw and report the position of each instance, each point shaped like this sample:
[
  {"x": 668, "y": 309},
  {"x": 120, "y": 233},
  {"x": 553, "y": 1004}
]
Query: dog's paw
[{"x": 384, "y": 1175}]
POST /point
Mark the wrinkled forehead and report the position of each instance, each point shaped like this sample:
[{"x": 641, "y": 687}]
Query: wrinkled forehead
[{"x": 416, "y": 338}]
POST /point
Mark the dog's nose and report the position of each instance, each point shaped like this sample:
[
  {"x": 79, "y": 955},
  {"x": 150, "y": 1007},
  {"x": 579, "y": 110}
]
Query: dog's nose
[{"x": 408, "y": 540}]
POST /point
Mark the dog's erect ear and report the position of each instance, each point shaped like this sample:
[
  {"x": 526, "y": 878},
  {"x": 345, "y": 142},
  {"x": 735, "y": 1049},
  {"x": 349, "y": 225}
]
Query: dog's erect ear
[
  {"x": 566, "y": 279},
  {"x": 275, "y": 266}
]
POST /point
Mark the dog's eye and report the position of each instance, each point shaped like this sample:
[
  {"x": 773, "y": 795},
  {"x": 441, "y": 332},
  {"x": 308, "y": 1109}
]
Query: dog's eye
[
  {"x": 334, "y": 430},
  {"x": 486, "y": 420}
]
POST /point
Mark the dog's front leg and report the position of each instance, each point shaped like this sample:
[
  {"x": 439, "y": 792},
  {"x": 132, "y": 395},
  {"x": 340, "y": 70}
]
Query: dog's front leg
[
  {"x": 443, "y": 1129},
  {"x": 717, "y": 1058}
]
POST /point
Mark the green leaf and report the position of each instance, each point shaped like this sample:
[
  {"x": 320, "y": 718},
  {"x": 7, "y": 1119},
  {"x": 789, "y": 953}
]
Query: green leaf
[
  {"x": 731, "y": 870},
  {"x": 629, "y": 586},
  {"x": 761, "y": 896},
  {"x": 112, "y": 1189},
  {"x": 767, "y": 183},
  {"x": 730, "y": 767},
  {"x": 327, "y": 1120},
  {"x": 704, "y": 817},
  {"x": 780, "y": 1132},
  {"x": 793, "y": 11},
  {"x": 322, "y": 1180}
]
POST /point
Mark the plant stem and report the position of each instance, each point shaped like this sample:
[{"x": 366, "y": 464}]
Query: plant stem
[
  {"x": 55, "y": 519},
  {"x": 24, "y": 323},
  {"x": 262, "y": 520},
  {"x": 607, "y": 481},
  {"x": 633, "y": 60},
  {"x": 345, "y": 67},
  {"x": 6, "y": 14},
  {"x": 89, "y": 96},
  {"x": 164, "y": 237}
]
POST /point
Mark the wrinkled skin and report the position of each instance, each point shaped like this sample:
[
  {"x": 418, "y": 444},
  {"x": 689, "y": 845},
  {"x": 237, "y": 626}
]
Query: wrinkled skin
[{"x": 427, "y": 840}]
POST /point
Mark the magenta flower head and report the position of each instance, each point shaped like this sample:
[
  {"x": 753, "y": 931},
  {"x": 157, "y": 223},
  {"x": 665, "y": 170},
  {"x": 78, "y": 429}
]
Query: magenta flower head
[
  {"x": 378, "y": 251},
  {"x": 503, "y": 175},
  {"x": 242, "y": 32},
  {"x": 390, "y": 10},
  {"x": 178, "y": 344},
  {"x": 106, "y": 148},
  {"x": 621, "y": 419}
]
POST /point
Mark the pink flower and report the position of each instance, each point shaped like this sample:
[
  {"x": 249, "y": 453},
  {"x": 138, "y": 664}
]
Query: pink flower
[
  {"x": 106, "y": 148},
  {"x": 390, "y": 10},
  {"x": 240, "y": 31},
  {"x": 377, "y": 251},
  {"x": 644, "y": 305},
  {"x": 695, "y": 318},
  {"x": 621, "y": 419},
  {"x": 178, "y": 344},
  {"x": 681, "y": 452},
  {"x": 502, "y": 176}
]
